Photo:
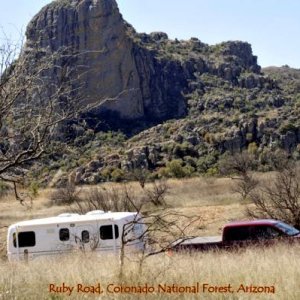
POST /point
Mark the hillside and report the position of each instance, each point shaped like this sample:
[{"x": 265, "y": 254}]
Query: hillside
[{"x": 171, "y": 107}]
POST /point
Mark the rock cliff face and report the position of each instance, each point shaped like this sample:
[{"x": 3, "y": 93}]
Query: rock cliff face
[
  {"x": 133, "y": 75},
  {"x": 93, "y": 33},
  {"x": 112, "y": 71}
]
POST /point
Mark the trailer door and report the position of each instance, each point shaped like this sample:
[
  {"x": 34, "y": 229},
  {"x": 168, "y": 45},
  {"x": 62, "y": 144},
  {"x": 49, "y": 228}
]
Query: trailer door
[
  {"x": 86, "y": 237},
  {"x": 109, "y": 237}
]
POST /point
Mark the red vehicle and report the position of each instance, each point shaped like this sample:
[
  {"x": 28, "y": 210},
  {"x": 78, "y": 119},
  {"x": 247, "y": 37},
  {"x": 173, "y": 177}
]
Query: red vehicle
[{"x": 243, "y": 233}]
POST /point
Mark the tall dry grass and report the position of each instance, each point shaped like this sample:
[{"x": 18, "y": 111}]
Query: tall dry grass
[
  {"x": 277, "y": 266},
  {"x": 212, "y": 199}
]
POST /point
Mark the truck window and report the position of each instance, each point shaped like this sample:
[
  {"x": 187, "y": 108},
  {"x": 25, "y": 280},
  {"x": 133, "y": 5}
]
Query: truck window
[
  {"x": 287, "y": 229},
  {"x": 25, "y": 239},
  {"x": 237, "y": 233},
  {"x": 264, "y": 232},
  {"x": 64, "y": 234},
  {"x": 85, "y": 236},
  {"x": 106, "y": 232}
]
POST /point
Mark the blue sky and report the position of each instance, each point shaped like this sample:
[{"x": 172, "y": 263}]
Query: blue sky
[{"x": 271, "y": 26}]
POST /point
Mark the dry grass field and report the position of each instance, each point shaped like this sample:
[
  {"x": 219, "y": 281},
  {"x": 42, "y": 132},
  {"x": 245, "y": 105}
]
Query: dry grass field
[
  {"x": 213, "y": 200},
  {"x": 275, "y": 271}
]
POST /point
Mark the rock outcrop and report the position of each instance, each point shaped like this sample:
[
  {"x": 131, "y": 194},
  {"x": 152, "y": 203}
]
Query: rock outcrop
[
  {"x": 92, "y": 34},
  {"x": 126, "y": 75},
  {"x": 104, "y": 61}
]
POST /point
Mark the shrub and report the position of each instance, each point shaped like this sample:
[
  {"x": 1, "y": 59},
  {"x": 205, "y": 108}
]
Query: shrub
[
  {"x": 106, "y": 172},
  {"x": 190, "y": 161},
  {"x": 117, "y": 175},
  {"x": 252, "y": 148},
  {"x": 188, "y": 170},
  {"x": 4, "y": 189},
  {"x": 175, "y": 168},
  {"x": 181, "y": 150},
  {"x": 212, "y": 171},
  {"x": 66, "y": 195},
  {"x": 113, "y": 199},
  {"x": 163, "y": 172},
  {"x": 287, "y": 127},
  {"x": 206, "y": 162},
  {"x": 34, "y": 188},
  {"x": 279, "y": 198}
]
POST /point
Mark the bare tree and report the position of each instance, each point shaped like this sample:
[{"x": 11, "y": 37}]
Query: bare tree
[
  {"x": 161, "y": 230},
  {"x": 156, "y": 226},
  {"x": 140, "y": 175},
  {"x": 279, "y": 198},
  {"x": 120, "y": 198},
  {"x": 32, "y": 105},
  {"x": 115, "y": 198},
  {"x": 66, "y": 195},
  {"x": 157, "y": 192},
  {"x": 245, "y": 184},
  {"x": 239, "y": 167}
]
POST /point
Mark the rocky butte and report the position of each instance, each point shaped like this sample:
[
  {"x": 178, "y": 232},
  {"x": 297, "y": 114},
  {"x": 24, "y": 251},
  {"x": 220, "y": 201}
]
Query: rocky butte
[
  {"x": 121, "y": 70},
  {"x": 114, "y": 70},
  {"x": 215, "y": 98}
]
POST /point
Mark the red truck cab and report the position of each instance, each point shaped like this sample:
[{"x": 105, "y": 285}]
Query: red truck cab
[
  {"x": 243, "y": 233},
  {"x": 258, "y": 230}
]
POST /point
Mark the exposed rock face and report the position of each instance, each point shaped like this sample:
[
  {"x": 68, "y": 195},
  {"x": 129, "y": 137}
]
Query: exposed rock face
[
  {"x": 133, "y": 75},
  {"x": 162, "y": 84},
  {"x": 112, "y": 71},
  {"x": 94, "y": 32}
]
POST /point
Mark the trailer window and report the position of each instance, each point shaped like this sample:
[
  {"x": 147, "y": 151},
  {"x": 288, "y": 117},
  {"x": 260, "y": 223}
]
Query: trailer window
[
  {"x": 25, "y": 239},
  {"x": 106, "y": 232},
  {"x": 64, "y": 234},
  {"x": 85, "y": 236}
]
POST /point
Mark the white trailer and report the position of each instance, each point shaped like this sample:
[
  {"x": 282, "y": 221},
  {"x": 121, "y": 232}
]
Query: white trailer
[{"x": 96, "y": 230}]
